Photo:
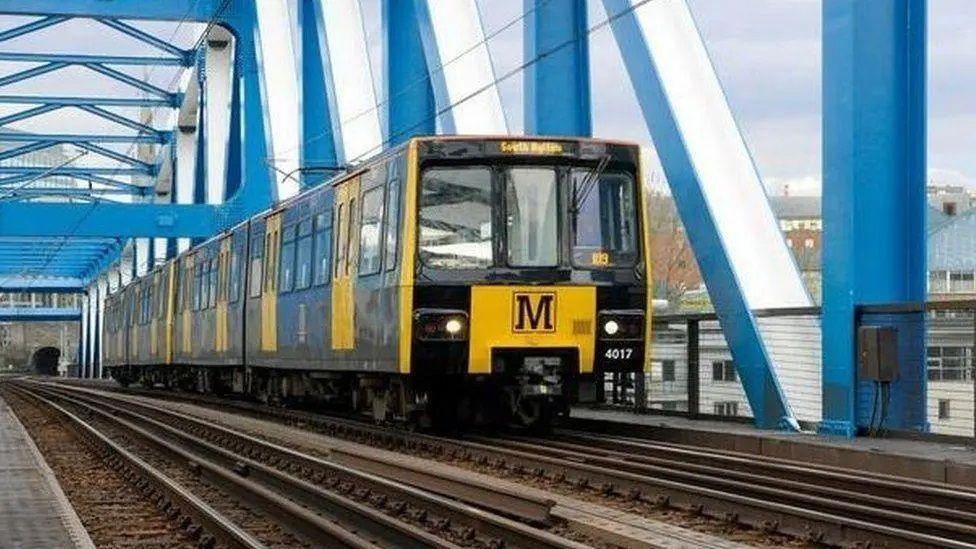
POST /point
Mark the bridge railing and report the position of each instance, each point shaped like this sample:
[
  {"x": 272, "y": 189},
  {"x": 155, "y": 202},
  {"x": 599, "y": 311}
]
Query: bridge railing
[{"x": 692, "y": 373}]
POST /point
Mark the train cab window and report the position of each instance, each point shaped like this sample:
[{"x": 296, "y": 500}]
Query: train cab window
[
  {"x": 270, "y": 262},
  {"x": 234, "y": 284},
  {"x": 603, "y": 217},
  {"x": 303, "y": 256},
  {"x": 323, "y": 248},
  {"x": 287, "y": 268},
  {"x": 255, "y": 276},
  {"x": 392, "y": 219},
  {"x": 532, "y": 217},
  {"x": 370, "y": 261},
  {"x": 455, "y": 218}
]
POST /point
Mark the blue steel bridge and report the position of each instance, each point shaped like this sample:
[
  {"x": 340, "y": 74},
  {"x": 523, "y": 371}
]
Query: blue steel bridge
[{"x": 130, "y": 129}]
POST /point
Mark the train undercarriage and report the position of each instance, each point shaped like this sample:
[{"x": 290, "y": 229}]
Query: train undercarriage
[{"x": 532, "y": 400}]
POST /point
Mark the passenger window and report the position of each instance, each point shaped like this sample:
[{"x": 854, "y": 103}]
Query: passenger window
[
  {"x": 204, "y": 285},
  {"x": 323, "y": 247},
  {"x": 350, "y": 230},
  {"x": 369, "y": 232},
  {"x": 303, "y": 256},
  {"x": 255, "y": 276},
  {"x": 287, "y": 267},
  {"x": 392, "y": 222},
  {"x": 234, "y": 284},
  {"x": 214, "y": 276},
  {"x": 340, "y": 238},
  {"x": 197, "y": 290}
]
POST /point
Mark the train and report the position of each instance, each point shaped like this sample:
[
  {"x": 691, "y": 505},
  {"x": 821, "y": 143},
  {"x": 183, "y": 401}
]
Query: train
[{"x": 452, "y": 279}]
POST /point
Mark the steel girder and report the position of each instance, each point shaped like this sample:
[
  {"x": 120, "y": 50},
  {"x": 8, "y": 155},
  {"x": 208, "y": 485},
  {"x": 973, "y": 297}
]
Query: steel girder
[
  {"x": 874, "y": 203},
  {"x": 247, "y": 151}
]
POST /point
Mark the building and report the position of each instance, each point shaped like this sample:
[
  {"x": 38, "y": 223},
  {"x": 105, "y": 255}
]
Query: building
[
  {"x": 949, "y": 200},
  {"x": 802, "y": 226}
]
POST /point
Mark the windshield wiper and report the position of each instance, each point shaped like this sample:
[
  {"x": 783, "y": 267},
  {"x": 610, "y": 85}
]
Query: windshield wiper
[{"x": 581, "y": 192}]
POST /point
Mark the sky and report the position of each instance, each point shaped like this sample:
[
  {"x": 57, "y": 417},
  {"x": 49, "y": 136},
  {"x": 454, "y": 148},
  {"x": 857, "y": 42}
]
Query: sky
[{"x": 766, "y": 54}]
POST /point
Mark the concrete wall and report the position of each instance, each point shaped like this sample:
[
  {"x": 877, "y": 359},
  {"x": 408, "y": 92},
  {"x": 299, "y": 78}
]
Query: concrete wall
[{"x": 19, "y": 341}]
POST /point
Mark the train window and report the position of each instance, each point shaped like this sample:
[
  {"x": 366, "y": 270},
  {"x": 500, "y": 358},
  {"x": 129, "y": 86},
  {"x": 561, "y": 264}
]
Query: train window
[
  {"x": 234, "y": 284},
  {"x": 370, "y": 261},
  {"x": 197, "y": 290},
  {"x": 214, "y": 275},
  {"x": 392, "y": 222},
  {"x": 350, "y": 231},
  {"x": 603, "y": 219},
  {"x": 340, "y": 230},
  {"x": 287, "y": 268},
  {"x": 455, "y": 218},
  {"x": 204, "y": 285},
  {"x": 303, "y": 256},
  {"x": 323, "y": 248},
  {"x": 255, "y": 276},
  {"x": 532, "y": 217}
]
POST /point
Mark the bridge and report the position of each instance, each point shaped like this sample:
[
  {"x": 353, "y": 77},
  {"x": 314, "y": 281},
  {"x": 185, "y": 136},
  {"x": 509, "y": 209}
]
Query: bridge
[{"x": 132, "y": 129}]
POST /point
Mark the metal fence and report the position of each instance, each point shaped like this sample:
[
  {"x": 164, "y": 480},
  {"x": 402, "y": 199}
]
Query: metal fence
[{"x": 692, "y": 373}]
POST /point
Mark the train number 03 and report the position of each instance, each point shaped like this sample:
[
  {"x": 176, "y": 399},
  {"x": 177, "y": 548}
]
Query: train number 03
[{"x": 618, "y": 354}]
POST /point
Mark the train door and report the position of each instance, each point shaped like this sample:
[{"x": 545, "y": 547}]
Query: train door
[
  {"x": 223, "y": 273},
  {"x": 154, "y": 304},
  {"x": 186, "y": 316},
  {"x": 269, "y": 293},
  {"x": 346, "y": 230}
]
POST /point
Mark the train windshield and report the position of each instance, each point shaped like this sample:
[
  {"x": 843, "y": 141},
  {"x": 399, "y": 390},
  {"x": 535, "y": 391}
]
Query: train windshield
[
  {"x": 604, "y": 218},
  {"x": 532, "y": 217},
  {"x": 458, "y": 206},
  {"x": 455, "y": 218}
]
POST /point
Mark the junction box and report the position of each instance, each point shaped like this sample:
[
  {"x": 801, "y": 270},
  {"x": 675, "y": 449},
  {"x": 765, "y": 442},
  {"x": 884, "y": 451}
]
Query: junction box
[{"x": 877, "y": 353}]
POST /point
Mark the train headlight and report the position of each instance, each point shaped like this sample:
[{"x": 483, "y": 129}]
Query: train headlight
[
  {"x": 621, "y": 324},
  {"x": 453, "y": 326},
  {"x": 441, "y": 325}
]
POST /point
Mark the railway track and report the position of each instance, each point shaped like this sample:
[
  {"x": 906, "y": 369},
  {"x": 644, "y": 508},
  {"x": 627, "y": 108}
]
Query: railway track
[
  {"x": 418, "y": 509},
  {"x": 819, "y": 504}
]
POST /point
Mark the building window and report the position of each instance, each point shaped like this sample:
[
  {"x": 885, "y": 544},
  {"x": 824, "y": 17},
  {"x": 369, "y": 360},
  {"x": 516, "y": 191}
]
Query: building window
[
  {"x": 949, "y": 208},
  {"x": 723, "y": 370},
  {"x": 961, "y": 281},
  {"x": 667, "y": 370},
  {"x": 808, "y": 243},
  {"x": 938, "y": 282},
  {"x": 944, "y": 409},
  {"x": 789, "y": 242},
  {"x": 949, "y": 363},
  {"x": 727, "y": 408}
]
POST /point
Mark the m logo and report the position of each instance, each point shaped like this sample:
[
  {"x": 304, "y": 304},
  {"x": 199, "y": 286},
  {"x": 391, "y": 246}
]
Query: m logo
[{"x": 534, "y": 312}]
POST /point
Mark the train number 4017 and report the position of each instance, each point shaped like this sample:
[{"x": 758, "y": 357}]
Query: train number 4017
[{"x": 618, "y": 354}]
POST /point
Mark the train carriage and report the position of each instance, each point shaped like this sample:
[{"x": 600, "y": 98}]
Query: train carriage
[{"x": 453, "y": 277}]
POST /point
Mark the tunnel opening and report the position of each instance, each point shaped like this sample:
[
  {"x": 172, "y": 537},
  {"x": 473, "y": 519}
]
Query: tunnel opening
[{"x": 45, "y": 361}]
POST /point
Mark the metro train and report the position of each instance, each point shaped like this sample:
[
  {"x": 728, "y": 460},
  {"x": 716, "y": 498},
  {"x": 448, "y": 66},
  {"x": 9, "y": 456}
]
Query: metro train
[{"x": 452, "y": 279}]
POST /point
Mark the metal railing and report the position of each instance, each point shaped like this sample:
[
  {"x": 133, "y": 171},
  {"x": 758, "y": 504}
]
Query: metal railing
[{"x": 692, "y": 373}]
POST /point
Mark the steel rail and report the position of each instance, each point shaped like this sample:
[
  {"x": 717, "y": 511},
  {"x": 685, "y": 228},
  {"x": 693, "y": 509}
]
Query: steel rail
[
  {"x": 736, "y": 501},
  {"x": 462, "y": 501},
  {"x": 155, "y": 484},
  {"x": 888, "y": 510},
  {"x": 318, "y": 529},
  {"x": 908, "y": 490}
]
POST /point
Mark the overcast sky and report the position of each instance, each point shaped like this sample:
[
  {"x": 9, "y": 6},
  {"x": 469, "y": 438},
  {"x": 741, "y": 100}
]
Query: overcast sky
[{"x": 766, "y": 53}]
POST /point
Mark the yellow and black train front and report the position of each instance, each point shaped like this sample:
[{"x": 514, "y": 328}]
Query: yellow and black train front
[{"x": 531, "y": 275}]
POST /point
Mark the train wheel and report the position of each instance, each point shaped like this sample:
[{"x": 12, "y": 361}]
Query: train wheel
[{"x": 535, "y": 414}]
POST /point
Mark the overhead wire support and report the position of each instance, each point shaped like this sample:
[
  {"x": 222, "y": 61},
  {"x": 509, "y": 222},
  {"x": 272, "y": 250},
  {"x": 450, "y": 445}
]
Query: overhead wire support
[
  {"x": 28, "y": 28},
  {"x": 171, "y": 102},
  {"x": 78, "y": 59}
]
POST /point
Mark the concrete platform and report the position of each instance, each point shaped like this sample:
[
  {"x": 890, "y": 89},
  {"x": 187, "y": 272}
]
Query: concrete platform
[
  {"x": 949, "y": 462},
  {"x": 34, "y": 512}
]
